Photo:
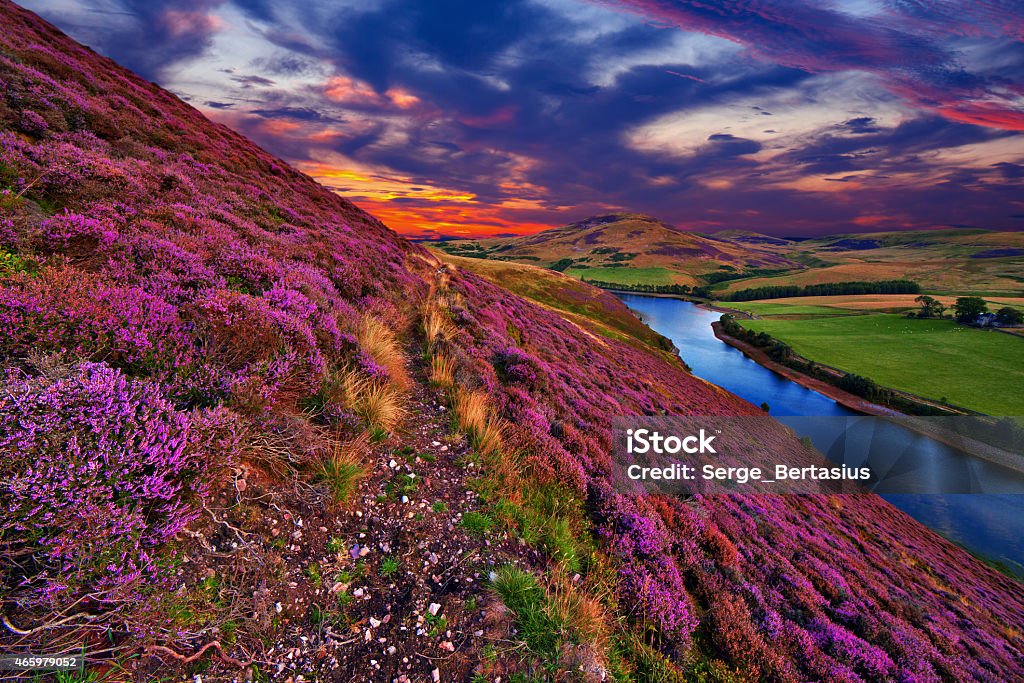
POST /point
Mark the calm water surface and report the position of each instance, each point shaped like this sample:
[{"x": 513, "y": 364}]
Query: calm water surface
[{"x": 991, "y": 525}]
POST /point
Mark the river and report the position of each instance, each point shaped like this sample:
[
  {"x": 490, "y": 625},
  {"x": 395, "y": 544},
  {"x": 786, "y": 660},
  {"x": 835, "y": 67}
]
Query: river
[{"x": 990, "y": 525}]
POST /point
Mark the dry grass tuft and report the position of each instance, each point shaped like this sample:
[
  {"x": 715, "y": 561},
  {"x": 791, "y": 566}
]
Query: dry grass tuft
[
  {"x": 442, "y": 371},
  {"x": 570, "y": 604},
  {"x": 474, "y": 415},
  {"x": 377, "y": 340},
  {"x": 437, "y": 327},
  {"x": 381, "y": 406},
  {"x": 378, "y": 404}
]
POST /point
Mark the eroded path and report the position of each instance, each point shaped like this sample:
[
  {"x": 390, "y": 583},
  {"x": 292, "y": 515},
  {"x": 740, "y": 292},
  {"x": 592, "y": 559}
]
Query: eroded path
[{"x": 391, "y": 587}]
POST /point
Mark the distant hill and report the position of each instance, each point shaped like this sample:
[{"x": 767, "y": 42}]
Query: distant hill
[
  {"x": 945, "y": 261},
  {"x": 632, "y": 248}
]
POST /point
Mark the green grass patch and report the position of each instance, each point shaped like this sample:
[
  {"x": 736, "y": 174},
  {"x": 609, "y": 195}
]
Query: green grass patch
[
  {"x": 521, "y": 593},
  {"x": 476, "y": 523},
  {"x": 625, "y": 276},
  {"x": 342, "y": 474},
  {"x": 769, "y": 309},
  {"x": 402, "y": 484},
  {"x": 981, "y": 370},
  {"x": 388, "y": 566}
]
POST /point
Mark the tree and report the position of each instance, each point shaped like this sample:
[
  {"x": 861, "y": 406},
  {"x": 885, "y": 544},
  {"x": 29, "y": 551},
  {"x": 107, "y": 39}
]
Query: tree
[
  {"x": 968, "y": 308},
  {"x": 1009, "y": 316},
  {"x": 930, "y": 308}
]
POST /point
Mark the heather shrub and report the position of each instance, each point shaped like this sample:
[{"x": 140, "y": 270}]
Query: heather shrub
[
  {"x": 99, "y": 473},
  {"x": 32, "y": 123},
  {"x": 67, "y": 310},
  {"x": 515, "y": 366},
  {"x": 74, "y": 233}
]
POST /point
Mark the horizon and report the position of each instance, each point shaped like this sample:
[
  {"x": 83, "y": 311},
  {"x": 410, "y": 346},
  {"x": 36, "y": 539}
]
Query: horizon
[{"x": 477, "y": 121}]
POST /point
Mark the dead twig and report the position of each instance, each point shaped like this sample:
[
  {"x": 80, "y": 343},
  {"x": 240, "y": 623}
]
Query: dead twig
[
  {"x": 48, "y": 625},
  {"x": 157, "y": 650}
]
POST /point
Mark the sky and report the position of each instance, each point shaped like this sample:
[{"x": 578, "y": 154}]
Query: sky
[{"x": 471, "y": 118}]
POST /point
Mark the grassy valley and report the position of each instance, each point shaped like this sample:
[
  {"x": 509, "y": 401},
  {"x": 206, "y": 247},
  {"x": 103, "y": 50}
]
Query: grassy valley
[
  {"x": 941, "y": 261},
  {"x": 632, "y": 249},
  {"x": 852, "y": 321}
]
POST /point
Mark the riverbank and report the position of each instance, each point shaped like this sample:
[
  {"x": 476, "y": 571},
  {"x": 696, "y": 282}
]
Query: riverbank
[
  {"x": 843, "y": 398},
  {"x": 989, "y": 525},
  {"x": 700, "y": 303},
  {"x": 924, "y": 427}
]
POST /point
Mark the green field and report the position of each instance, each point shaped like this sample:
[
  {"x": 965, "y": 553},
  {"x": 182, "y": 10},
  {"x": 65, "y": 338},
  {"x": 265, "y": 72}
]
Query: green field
[
  {"x": 762, "y": 308},
  {"x": 625, "y": 276},
  {"x": 976, "y": 369}
]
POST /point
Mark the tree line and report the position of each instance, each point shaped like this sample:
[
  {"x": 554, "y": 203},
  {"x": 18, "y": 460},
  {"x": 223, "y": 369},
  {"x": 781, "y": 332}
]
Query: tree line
[
  {"x": 824, "y": 289},
  {"x": 640, "y": 287}
]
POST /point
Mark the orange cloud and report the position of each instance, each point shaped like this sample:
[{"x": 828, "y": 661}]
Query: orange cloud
[
  {"x": 985, "y": 114},
  {"x": 402, "y": 99},
  {"x": 343, "y": 89},
  {"x": 346, "y": 90},
  {"x": 179, "y": 23},
  {"x": 279, "y": 126}
]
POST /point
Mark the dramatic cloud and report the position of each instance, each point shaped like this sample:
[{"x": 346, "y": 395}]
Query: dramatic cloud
[
  {"x": 467, "y": 117},
  {"x": 907, "y": 44}
]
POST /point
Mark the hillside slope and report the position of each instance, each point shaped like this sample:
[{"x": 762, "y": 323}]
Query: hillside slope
[
  {"x": 627, "y": 245},
  {"x": 959, "y": 261},
  {"x": 632, "y": 249},
  {"x": 248, "y": 432}
]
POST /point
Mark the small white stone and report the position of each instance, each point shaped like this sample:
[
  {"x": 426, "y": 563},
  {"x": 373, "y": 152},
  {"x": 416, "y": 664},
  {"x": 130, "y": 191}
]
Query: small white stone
[
  {"x": 435, "y": 675},
  {"x": 434, "y": 608},
  {"x": 374, "y": 622},
  {"x": 278, "y": 607}
]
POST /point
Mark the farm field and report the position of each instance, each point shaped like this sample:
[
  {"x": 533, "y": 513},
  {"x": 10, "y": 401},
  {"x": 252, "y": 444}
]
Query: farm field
[
  {"x": 625, "y": 276},
  {"x": 853, "y": 303},
  {"x": 976, "y": 369}
]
